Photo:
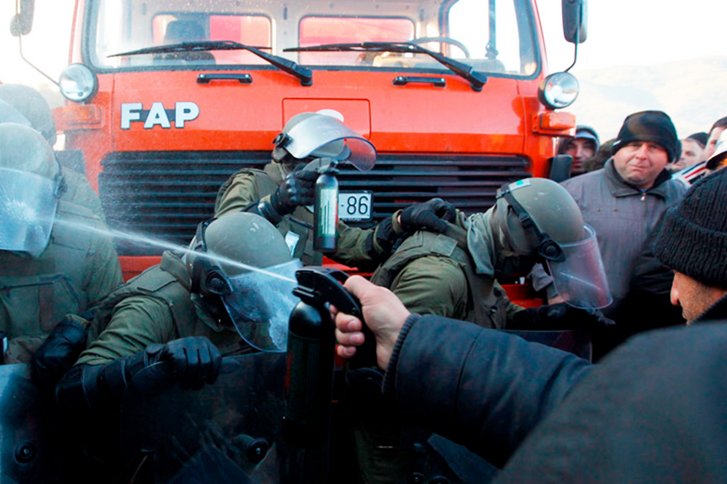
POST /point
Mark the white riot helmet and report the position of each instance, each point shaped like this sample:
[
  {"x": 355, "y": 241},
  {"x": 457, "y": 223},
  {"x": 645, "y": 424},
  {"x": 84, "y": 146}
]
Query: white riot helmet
[
  {"x": 241, "y": 260},
  {"x": 30, "y": 185},
  {"x": 307, "y": 136}
]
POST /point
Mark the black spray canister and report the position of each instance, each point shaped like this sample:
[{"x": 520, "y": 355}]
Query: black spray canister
[
  {"x": 325, "y": 213},
  {"x": 309, "y": 385}
]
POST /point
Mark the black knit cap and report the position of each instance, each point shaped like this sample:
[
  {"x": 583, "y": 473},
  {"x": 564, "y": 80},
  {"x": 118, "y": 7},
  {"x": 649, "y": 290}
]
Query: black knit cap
[
  {"x": 692, "y": 238},
  {"x": 652, "y": 126}
]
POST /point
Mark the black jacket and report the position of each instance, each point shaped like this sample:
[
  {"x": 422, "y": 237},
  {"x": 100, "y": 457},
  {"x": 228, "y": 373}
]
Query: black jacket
[
  {"x": 483, "y": 388},
  {"x": 653, "y": 410}
]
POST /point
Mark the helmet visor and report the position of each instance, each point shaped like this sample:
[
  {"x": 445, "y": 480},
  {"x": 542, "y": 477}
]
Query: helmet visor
[
  {"x": 580, "y": 278},
  {"x": 260, "y": 304},
  {"x": 27, "y": 210},
  {"x": 327, "y": 137}
]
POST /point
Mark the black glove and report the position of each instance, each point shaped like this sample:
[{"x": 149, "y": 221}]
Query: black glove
[
  {"x": 298, "y": 189},
  {"x": 559, "y": 316},
  {"x": 431, "y": 215},
  {"x": 192, "y": 361},
  {"x": 58, "y": 352}
]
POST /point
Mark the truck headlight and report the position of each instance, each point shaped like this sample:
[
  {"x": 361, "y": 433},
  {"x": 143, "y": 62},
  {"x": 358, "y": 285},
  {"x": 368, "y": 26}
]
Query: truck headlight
[
  {"x": 78, "y": 83},
  {"x": 558, "y": 90}
]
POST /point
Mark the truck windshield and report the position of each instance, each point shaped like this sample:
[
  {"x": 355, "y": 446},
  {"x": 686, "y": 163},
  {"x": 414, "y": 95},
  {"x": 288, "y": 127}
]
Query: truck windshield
[{"x": 491, "y": 36}]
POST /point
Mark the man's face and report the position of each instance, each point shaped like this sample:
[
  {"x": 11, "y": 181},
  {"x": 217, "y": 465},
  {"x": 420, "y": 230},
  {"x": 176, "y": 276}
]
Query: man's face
[
  {"x": 712, "y": 142},
  {"x": 691, "y": 154},
  {"x": 640, "y": 162},
  {"x": 694, "y": 297},
  {"x": 580, "y": 149}
]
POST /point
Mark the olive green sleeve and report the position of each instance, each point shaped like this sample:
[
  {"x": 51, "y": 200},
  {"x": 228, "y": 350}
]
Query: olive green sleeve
[
  {"x": 367, "y": 248},
  {"x": 103, "y": 272},
  {"x": 137, "y": 322},
  {"x": 433, "y": 285},
  {"x": 353, "y": 248},
  {"x": 237, "y": 194}
]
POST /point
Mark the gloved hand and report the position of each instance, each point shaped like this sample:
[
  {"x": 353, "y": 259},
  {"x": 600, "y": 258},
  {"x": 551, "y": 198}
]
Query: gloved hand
[
  {"x": 192, "y": 361},
  {"x": 58, "y": 352},
  {"x": 431, "y": 215},
  {"x": 297, "y": 189},
  {"x": 559, "y": 316}
]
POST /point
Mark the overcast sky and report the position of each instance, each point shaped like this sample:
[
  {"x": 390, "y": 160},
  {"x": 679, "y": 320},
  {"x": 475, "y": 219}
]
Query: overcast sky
[
  {"x": 633, "y": 32},
  {"x": 619, "y": 32}
]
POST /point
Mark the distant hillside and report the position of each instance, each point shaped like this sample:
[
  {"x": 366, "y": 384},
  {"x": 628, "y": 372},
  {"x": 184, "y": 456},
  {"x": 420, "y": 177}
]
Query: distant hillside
[{"x": 693, "y": 93}]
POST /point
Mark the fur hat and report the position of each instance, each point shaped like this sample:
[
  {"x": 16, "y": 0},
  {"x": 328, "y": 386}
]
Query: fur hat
[{"x": 652, "y": 126}]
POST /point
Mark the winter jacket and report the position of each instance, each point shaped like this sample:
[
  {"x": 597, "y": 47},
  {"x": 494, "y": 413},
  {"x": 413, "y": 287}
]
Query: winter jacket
[
  {"x": 623, "y": 216},
  {"x": 652, "y": 411}
]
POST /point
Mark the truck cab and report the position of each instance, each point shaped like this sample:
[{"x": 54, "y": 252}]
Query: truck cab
[{"x": 167, "y": 98}]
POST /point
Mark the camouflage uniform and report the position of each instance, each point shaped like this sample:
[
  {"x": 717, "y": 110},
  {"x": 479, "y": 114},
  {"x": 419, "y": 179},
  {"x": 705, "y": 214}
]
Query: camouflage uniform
[
  {"x": 356, "y": 247},
  {"x": 76, "y": 270},
  {"x": 156, "y": 306}
]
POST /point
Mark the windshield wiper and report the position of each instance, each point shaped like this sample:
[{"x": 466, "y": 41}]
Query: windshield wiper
[
  {"x": 476, "y": 79},
  {"x": 303, "y": 73}
]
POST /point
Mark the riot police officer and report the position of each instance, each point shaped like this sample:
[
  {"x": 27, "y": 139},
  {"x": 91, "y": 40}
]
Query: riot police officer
[
  {"x": 455, "y": 273},
  {"x": 284, "y": 190},
  {"x": 25, "y": 105},
  {"x": 51, "y": 264},
  {"x": 188, "y": 311}
]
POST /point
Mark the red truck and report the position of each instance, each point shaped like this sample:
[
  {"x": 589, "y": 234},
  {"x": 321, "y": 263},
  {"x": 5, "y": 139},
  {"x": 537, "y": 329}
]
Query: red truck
[{"x": 167, "y": 98}]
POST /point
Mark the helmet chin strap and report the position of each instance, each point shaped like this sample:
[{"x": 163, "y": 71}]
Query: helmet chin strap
[
  {"x": 547, "y": 248},
  {"x": 208, "y": 279}
]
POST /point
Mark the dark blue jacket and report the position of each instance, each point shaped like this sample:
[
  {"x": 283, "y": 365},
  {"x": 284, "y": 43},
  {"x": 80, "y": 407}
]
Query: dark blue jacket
[{"x": 654, "y": 410}]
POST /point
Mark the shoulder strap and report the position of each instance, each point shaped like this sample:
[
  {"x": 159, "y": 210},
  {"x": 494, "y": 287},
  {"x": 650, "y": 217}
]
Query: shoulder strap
[
  {"x": 482, "y": 296},
  {"x": 168, "y": 281}
]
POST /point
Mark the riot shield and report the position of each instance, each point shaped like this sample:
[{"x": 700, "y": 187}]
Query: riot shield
[
  {"x": 27, "y": 429},
  {"x": 225, "y": 432}
]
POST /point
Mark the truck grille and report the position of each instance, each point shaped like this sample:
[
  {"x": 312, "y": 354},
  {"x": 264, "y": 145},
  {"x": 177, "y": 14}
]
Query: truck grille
[{"x": 163, "y": 196}]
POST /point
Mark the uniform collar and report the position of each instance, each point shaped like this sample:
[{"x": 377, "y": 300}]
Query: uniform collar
[
  {"x": 481, "y": 243},
  {"x": 176, "y": 266}
]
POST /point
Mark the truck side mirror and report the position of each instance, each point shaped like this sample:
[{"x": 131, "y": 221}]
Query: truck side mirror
[
  {"x": 22, "y": 21},
  {"x": 575, "y": 20},
  {"x": 560, "y": 166}
]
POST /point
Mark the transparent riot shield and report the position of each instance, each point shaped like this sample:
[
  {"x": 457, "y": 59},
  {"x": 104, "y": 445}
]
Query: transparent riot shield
[
  {"x": 225, "y": 432},
  {"x": 31, "y": 442}
]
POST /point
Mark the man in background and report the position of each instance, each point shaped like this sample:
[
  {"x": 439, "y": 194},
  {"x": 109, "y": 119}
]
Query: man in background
[{"x": 580, "y": 147}]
